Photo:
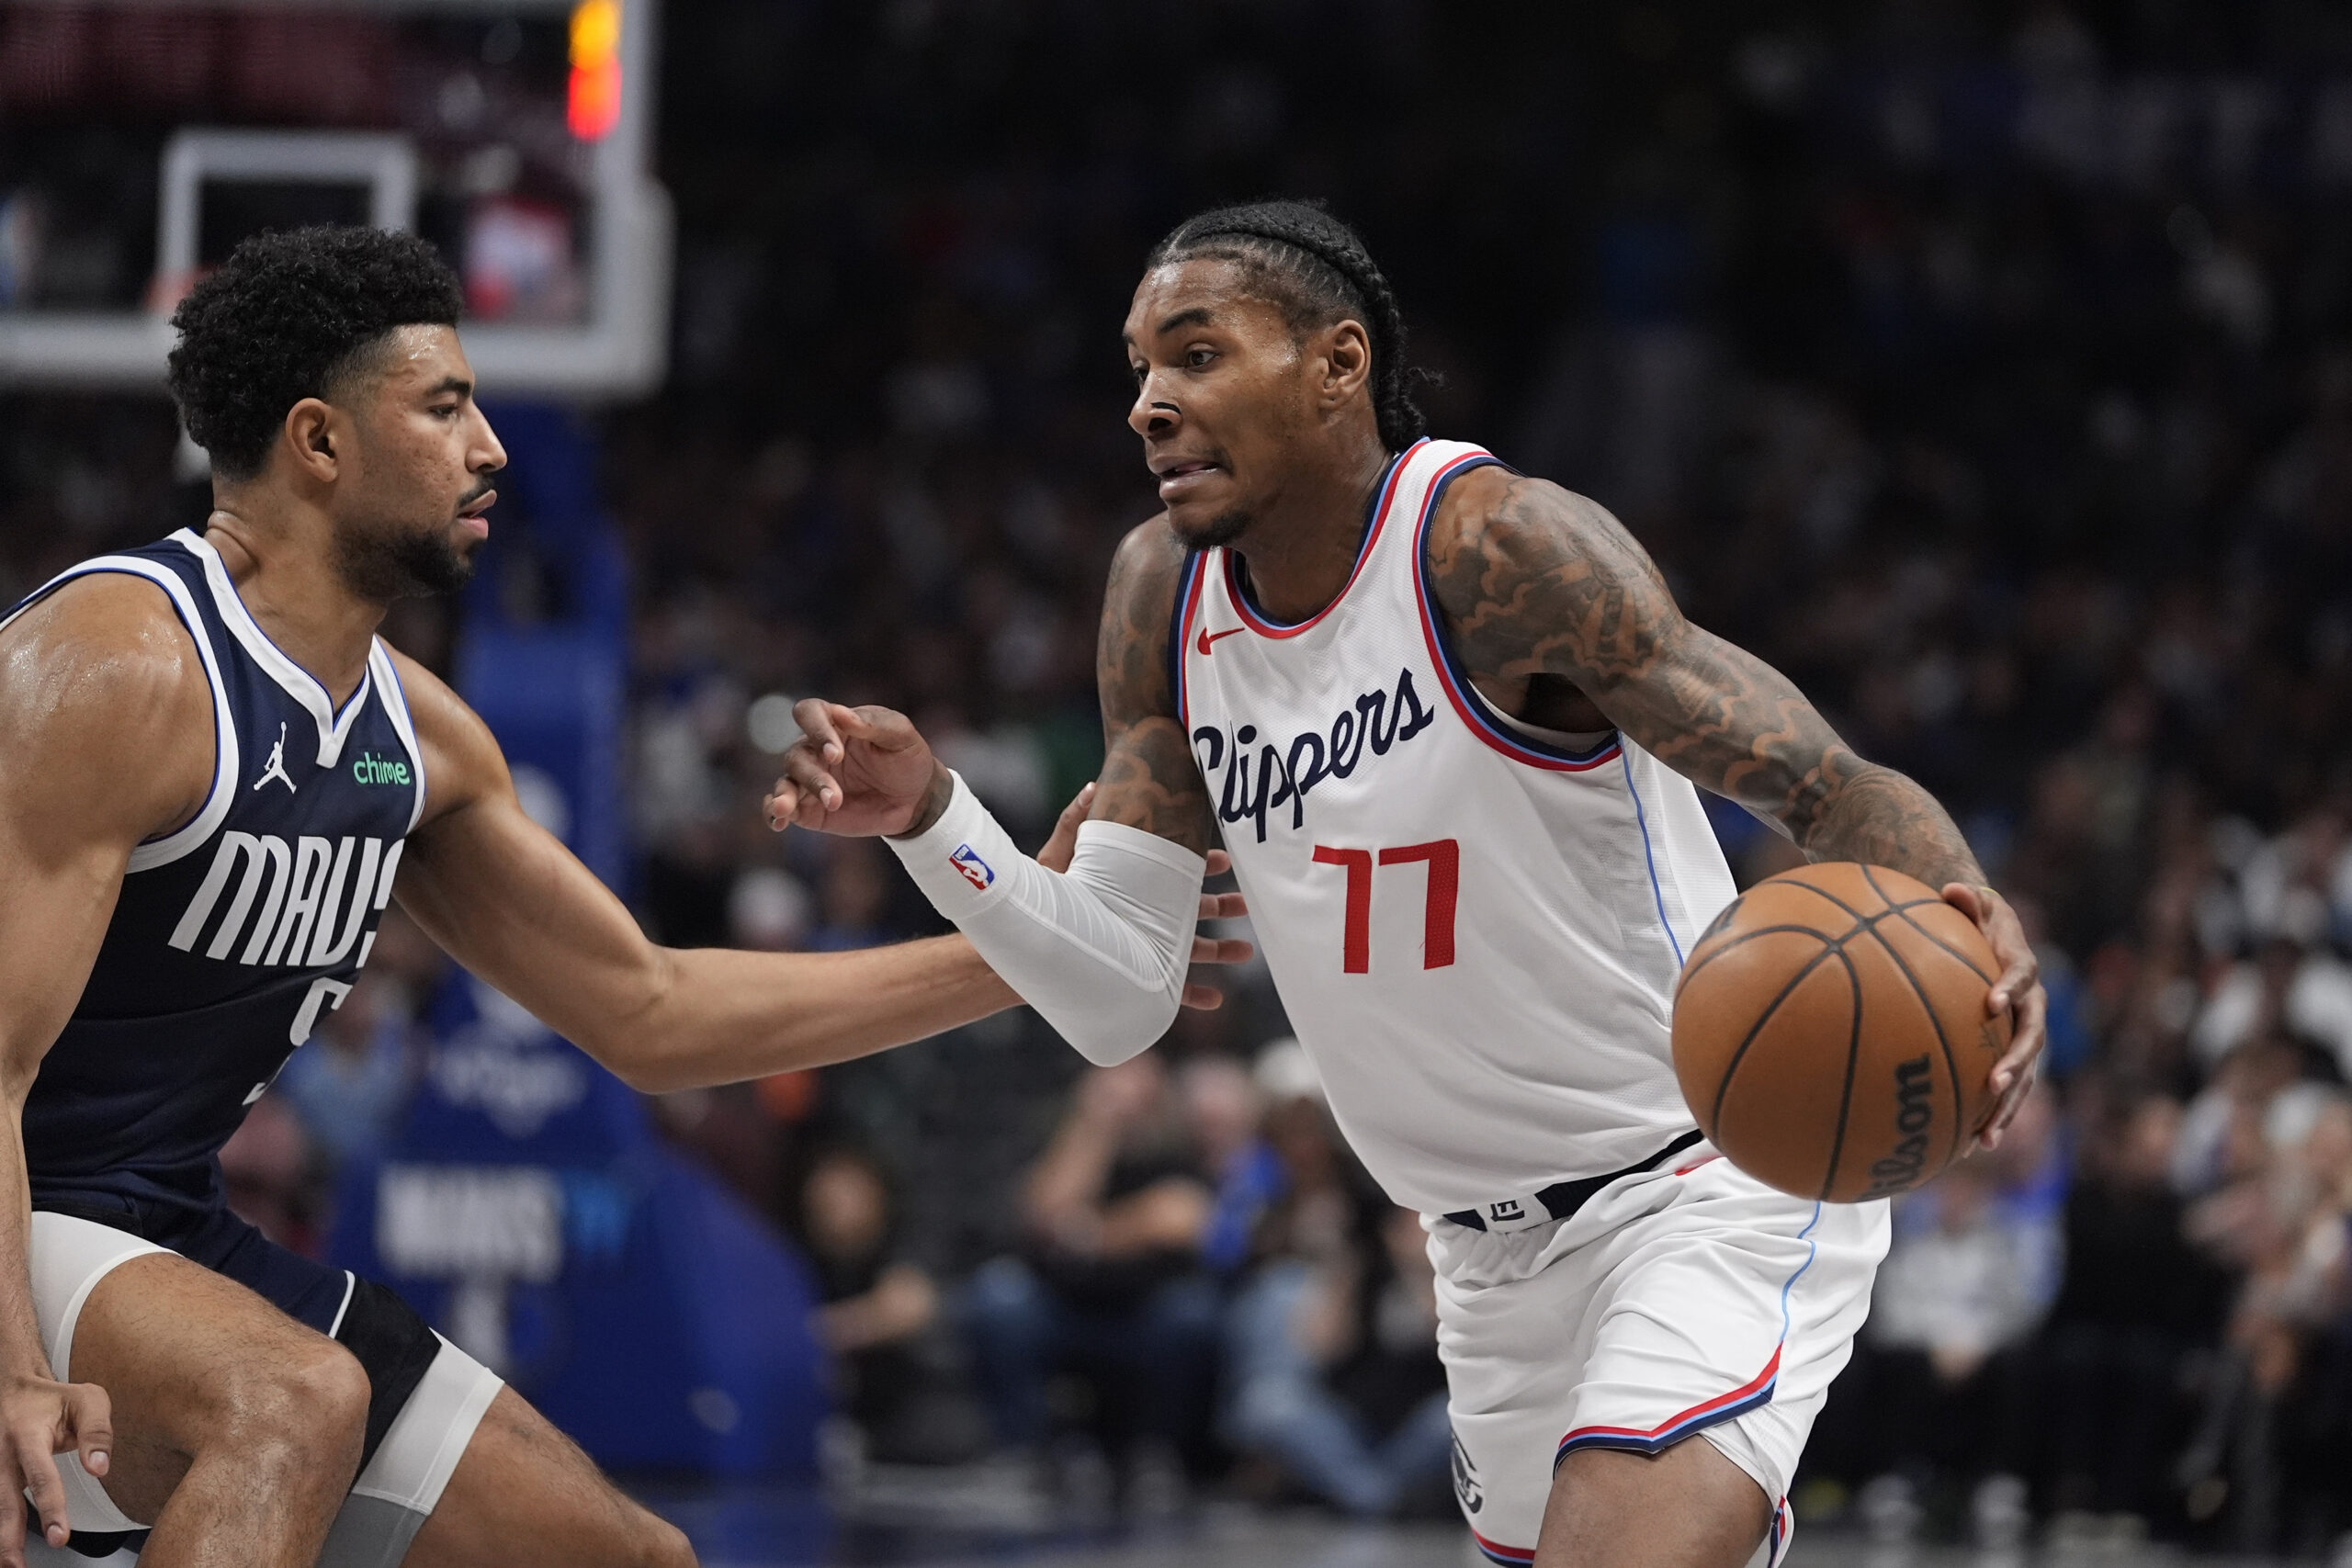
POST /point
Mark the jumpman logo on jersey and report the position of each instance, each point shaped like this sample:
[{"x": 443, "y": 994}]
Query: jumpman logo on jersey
[{"x": 276, "y": 769}]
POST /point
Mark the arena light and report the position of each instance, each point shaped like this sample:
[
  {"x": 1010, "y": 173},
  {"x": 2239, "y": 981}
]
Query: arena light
[{"x": 593, "y": 104}]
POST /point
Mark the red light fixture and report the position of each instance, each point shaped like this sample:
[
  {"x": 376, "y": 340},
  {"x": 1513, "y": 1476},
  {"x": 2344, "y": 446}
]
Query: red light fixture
[{"x": 593, "y": 106}]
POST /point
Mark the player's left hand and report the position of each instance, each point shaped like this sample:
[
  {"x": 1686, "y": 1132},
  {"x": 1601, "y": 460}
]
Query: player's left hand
[{"x": 2017, "y": 993}]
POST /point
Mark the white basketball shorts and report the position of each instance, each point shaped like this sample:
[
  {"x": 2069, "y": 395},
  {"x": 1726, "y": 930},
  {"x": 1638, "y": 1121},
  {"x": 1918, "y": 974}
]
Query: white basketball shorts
[
  {"x": 1693, "y": 1301},
  {"x": 393, "y": 1495}
]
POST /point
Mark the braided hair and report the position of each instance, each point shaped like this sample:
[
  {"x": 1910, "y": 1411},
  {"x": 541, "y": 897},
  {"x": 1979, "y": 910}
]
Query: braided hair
[{"x": 1316, "y": 270}]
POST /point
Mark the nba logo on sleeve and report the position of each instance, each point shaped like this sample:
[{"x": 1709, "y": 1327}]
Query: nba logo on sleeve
[{"x": 975, "y": 869}]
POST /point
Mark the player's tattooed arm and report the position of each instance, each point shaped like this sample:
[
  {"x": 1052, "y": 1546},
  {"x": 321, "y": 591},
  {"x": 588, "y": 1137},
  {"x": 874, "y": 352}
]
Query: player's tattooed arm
[
  {"x": 1149, "y": 778},
  {"x": 1539, "y": 585},
  {"x": 1537, "y": 582}
]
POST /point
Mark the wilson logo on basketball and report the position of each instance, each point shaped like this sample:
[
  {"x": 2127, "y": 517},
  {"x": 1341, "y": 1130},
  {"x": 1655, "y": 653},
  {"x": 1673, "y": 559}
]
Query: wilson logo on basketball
[{"x": 1914, "y": 1113}]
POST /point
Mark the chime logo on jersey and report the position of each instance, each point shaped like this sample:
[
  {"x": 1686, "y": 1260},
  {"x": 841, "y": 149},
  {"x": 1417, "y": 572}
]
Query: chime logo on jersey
[
  {"x": 976, "y": 871},
  {"x": 371, "y": 769},
  {"x": 301, "y": 905},
  {"x": 1377, "y": 720}
]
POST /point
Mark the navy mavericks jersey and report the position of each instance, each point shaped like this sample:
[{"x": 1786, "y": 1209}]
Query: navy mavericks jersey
[{"x": 233, "y": 934}]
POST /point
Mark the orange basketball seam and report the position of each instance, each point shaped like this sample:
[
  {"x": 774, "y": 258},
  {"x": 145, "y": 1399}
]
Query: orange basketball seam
[
  {"x": 1789, "y": 880},
  {"x": 1700, "y": 960},
  {"x": 1829, "y": 945},
  {"x": 1935, "y": 1019},
  {"x": 1968, "y": 962},
  {"x": 1871, "y": 923},
  {"x": 1846, "y": 1095},
  {"x": 1891, "y": 906}
]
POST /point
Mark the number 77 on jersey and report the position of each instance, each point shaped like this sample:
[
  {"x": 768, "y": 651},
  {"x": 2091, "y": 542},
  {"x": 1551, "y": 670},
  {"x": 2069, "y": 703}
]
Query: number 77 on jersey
[{"x": 1443, "y": 858}]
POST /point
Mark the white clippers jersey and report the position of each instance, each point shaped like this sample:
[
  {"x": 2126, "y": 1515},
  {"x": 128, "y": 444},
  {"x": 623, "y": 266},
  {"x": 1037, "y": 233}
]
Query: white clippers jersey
[{"x": 1474, "y": 929}]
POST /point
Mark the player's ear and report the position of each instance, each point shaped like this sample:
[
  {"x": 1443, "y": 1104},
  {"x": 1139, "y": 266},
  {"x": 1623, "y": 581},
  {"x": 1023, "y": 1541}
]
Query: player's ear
[
  {"x": 1347, "y": 362},
  {"x": 311, "y": 438}
]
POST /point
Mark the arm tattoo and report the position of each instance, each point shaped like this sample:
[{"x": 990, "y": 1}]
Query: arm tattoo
[
  {"x": 1149, "y": 778},
  {"x": 1537, "y": 582}
]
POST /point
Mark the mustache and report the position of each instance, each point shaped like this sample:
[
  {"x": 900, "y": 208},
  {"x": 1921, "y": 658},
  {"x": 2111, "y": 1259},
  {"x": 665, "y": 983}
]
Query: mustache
[{"x": 488, "y": 484}]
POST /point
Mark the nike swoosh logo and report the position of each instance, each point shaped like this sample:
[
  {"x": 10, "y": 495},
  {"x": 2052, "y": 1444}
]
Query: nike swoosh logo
[{"x": 1206, "y": 639}]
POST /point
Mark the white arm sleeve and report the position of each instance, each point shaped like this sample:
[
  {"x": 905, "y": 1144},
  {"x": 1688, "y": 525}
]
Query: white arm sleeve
[{"x": 1100, "y": 951}]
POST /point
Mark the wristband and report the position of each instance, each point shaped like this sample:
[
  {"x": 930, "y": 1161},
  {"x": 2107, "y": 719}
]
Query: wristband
[{"x": 959, "y": 861}]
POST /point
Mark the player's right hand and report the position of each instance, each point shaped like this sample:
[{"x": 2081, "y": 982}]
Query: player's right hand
[
  {"x": 40, "y": 1418},
  {"x": 857, "y": 771},
  {"x": 2018, "y": 992}
]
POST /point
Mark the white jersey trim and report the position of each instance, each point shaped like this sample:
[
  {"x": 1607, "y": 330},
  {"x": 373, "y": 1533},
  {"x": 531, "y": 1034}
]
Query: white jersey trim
[
  {"x": 395, "y": 695},
  {"x": 1265, "y": 625},
  {"x": 183, "y": 841},
  {"x": 350, "y": 1285},
  {"x": 299, "y": 683}
]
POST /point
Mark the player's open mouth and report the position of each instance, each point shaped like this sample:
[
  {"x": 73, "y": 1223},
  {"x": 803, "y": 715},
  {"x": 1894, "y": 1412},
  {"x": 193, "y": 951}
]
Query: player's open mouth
[{"x": 1178, "y": 480}]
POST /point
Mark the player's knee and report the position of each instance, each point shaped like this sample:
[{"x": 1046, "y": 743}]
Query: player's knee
[{"x": 314, "y": 1400}]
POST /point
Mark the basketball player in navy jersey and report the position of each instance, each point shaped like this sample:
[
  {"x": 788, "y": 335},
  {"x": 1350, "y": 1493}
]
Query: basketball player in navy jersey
[
  {"x": 214, "y": 779},
  {"x": 1449, "y": 720}
]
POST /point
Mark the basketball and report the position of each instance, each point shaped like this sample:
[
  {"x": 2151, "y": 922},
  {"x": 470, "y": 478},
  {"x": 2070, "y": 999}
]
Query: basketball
[{"x": 1830, "y": 1032}]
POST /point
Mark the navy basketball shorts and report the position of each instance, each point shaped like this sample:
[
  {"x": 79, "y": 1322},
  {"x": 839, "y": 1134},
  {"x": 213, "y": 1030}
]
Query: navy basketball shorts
[{"x": 426, "y": 1398}]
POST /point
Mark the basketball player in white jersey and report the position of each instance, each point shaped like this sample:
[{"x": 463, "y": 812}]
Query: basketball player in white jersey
[{"x": 1449, "y": 720}]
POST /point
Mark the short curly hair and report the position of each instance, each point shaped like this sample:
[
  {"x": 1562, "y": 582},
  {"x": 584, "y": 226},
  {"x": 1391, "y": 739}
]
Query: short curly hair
[{"x": 283, "y": 318}]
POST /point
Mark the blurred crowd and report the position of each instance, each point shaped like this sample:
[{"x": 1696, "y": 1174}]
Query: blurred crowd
[{"x": 1988, "y": 367}]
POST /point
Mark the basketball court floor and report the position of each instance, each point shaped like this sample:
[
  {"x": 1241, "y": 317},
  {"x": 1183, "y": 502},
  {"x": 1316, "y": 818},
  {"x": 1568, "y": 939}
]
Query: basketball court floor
[
  {"x": 755, "y": 1526},
  {"x": 763, "y": 1528},
  {"x": 1321, "y": 1543}
]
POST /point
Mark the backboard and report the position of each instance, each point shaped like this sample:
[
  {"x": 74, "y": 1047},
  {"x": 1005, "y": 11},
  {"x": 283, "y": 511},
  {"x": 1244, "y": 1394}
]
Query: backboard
[{"x": 140, "y": 139}]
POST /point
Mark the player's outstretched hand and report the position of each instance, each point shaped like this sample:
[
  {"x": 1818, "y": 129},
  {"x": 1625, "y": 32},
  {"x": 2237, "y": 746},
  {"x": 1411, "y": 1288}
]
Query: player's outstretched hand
[
  {"x": 1206, "y": 949},
  {"x": 40, "y": 1418},
  {"x": 2017, "y": 993},
  {"x": 857, "y": 771}
]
